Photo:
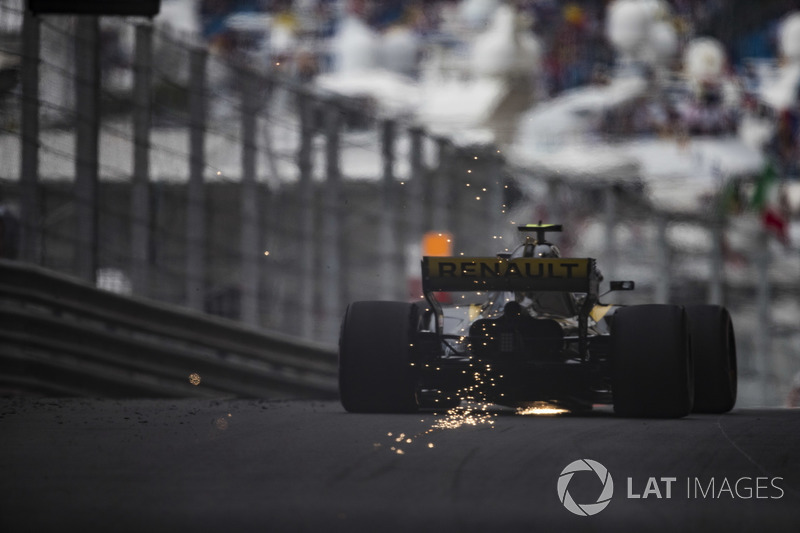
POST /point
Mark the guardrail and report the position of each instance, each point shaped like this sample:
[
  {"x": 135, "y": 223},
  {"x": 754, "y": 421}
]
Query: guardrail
[{"x": 62, "y": 336}]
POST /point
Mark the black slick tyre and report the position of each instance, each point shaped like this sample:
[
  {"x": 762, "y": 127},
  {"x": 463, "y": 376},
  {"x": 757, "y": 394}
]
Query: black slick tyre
[
  {"x": 652, "y": 365},
  {"x": 375, "y": 357},
  {"x": 714, "y": 354}
]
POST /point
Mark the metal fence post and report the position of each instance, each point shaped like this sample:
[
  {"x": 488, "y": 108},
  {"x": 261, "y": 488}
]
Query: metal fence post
[
  {"x": 87, "y": 107},
  {"x": 428, "y": 188},
  {"x": 388, "y": 232},
  {"x": 272, "y": 316},
  {"x": 416, "y": 189},
  {"x": 439, "y": 200},
  {"x": 29, "y": 166},
  {"x": 762, "y": 337},
  {"x": 494, "y": 195},
  {"x": 664, "y": 259},
  {"x": 610, "y": 215},
  {"x": 249, "y": 203},
  {"x": 140, "y": 193},
  {"x": 716, "y": 263},
  {"x": 400, "y": 227},
  {"x": 195, "y": 197},
  {"x": 305, "y": 213},
  {"x": 417, "y": 212},
  {"x": 332, "y": 226},
  {"x": 451, "y": 191}
]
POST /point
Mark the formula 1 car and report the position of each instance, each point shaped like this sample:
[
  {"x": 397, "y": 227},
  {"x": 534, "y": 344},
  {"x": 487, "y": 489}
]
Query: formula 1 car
[{"x": 528, "y": 327}]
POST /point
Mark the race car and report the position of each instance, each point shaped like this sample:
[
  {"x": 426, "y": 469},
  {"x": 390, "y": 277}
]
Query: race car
[{"x": 526, "y": 328}]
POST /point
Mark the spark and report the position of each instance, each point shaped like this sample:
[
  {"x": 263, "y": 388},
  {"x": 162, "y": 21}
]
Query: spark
[
  {"x": 541, "y": 409},
  {"x": 472, "y": 410}
]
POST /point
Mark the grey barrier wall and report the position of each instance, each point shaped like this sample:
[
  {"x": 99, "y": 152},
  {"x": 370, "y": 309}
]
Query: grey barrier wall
[
  {"x": 62, "y": 336},
  {"x": 171, "y": 172}
]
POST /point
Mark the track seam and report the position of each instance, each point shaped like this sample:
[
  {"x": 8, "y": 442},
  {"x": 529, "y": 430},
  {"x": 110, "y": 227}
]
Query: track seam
[
  {"x": 747, "y": 456},
  {"x": 459, "y": 469}
]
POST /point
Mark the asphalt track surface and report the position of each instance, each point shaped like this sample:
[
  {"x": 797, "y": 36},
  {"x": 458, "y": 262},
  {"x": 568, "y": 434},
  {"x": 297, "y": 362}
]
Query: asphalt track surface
[{"x": 249, "y": 465}]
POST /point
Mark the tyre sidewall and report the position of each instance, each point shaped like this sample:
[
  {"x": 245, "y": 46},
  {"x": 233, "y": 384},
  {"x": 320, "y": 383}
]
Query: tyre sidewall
[
  {"x": 376, "y": 356},
  {"x": 653, "y": 375}
]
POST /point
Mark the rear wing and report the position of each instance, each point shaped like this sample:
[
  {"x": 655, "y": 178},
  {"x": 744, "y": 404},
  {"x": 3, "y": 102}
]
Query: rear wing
[{"x": 443, "y": 274}]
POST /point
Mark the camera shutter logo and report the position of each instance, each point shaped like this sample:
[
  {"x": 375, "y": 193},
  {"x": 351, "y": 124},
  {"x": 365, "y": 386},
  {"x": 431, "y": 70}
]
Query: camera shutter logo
[{"x": 585, "y": 509}]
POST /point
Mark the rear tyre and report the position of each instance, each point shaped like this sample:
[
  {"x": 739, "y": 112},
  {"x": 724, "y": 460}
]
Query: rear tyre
[
  {"x": 714, "y": 354},
  {"x": 653, "y": 374},
  {"x": 375, "y": 357}
]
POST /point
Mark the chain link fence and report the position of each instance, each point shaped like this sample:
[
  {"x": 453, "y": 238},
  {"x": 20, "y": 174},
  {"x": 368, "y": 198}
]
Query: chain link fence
[{"x": 138, "y": 160}]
